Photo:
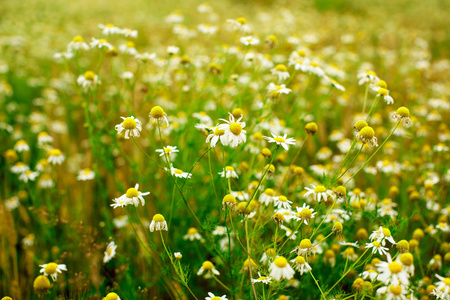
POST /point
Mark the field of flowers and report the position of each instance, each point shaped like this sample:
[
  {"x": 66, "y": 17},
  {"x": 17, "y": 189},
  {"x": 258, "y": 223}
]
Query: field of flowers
[{"x": 225, "y": 150}]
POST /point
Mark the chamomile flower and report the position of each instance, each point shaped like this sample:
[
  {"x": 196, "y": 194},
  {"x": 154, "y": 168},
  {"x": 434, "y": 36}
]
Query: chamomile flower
[
  {"x": 158, "y": 223},
  {"x": 392, "y": 272},
  {"x": 129, "y": 33},
  {"x": 179, "y": 173},
  {"x": 263, "y": 279},
  {"x": 192, "y": 234},
  {"x": 239, "y": 24},
  {"x": 109, "y": 29},
  {"x": 207, "y": 28},
  {"x": 52, "y": 269},
  {"x": 367, "y": 77},
  {"x": 234, "y": 131},
  {"x": 381, "y": 235},
  {"x": 281, "y": 140},
  {"x": 393, "y": 292},
  {"x": 275, "y": 89},
  {"x": 443, "y": 286},
  {"x": 377, "y": 247},
  {"x": 128, "y": 48},
  {"x": 208, "y": 268},
  {"x": 85, "y": 174},
  {"x": 110, "y": 252},
  {"x": 304, "y": 213},
  {"x": 280, "y": 269},
  {"x": 119, "y": 202},
  {"x": 216, "y": 134},
  {"x": 402, "y": 115},
  {"x": 157, "y": 114},
  {"x": 21, "y": 146},
  {"x": 301, "y": 265},
  {"x": 88, "y": 80},
  {"x": 367, "y": 136},
  {"x": 131, "y": 125},
  {"x": 43, "y": 138},
  {"x": 384, "y": 93},
  {"x": 19, "y": 168},
  {"x": 101, "y": 44},
  {"x": 369, "y": 274},
  {"x": 319, "y": 193},
  {"x": 55, "y": 156},
  {"x": 133, "y": 196},
  {"x": 214, "y": 297},
  {"x": 267, "y": 196},
  {"x": 168, "y": 150},
  {"x": 77, "y": 43},
  {"x": 281, "y": 72},
  {"x": 112, "y": 296},
  {"x": 228, "y": 172},
  {"x": 282, "y": 202},
  {"x": 28, "y": 176},
  {"x": 249, "y": 40}
]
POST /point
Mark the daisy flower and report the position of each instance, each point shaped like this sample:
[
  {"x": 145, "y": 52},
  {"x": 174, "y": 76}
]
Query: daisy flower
[
  {"x": 128, "y": 48},
  {"x": 282, "y": 202},
  {"x": 109, "y": 29},
  {"x": 402, "y": 115},
  {"x": 129, "y": 33},
  {"x": 367, "y": 136},
  {"x": 280, "y": 269},
  {"x": 381, "y": 235},
  {"x": 443, "y": 285},
  {"x": 207, "y": 29},
  {"x": 209, "y": 268},
  {"x": 55, "y": 157},
  {"x": 28, "y": 176},
  {"x": 158, "y": 115},
  {"x": 305, "y": 213},
  {"x": 192, "y": 234},
  {"x": 101, "y": 44},
  {"x": 133, "y": 195},
  {"x": 234, "y": 132},
  {"x": 131, "y": 125},
  {"x": 239, "y": 24},
  {"x": 319, "y": 192},
  {"x": 179, "y": 173},
  {"x": 393, "y": 292},
  {"x": 52, "y": 269},
  {"x": 112, "y": 296},
  {"x": 77, "y": 43},
  {"x": 367, "y": 77},
  {"x": 376, "y": 247},
  {"x": 85, "y": 174},
  {"x": 119, "y": 202},
  {"x": 213, "y": 297},
  {"x": 267, "y": 196},
  {"x": 371, "y": 274},
  {"x": 301, "y": 265},
  {"x": 19, "y": 167},
  {"x": 228, "y": 172},
  {"x": 21, "y": 146},
  {"x": 280, "y": 70},
  {"x": 384, "y": 93},
  {"x": 88, "y": 80},
  {"x": 249, "y": 40},
  {"x": 110, "y": 252},
  {"x": 263, "y": 279},
  {"x": 45, "y": 181},
  {"x": 281, "y": 140},
  {"x": 167, "y": 150},
  {"x": 43, "y": 138},
  {"x": 275, "y": 89},
  {"x": 158, "y": 223}
]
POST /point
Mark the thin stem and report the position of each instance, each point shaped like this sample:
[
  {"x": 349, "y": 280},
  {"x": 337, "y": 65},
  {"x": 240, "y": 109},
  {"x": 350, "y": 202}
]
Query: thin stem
[
  {"x": 320, "y": 289},
  {"x": 249, "y": 259}
]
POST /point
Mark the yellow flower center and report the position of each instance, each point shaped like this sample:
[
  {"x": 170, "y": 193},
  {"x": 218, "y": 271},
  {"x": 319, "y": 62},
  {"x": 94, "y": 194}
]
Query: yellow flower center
[
  {"x": 381, "y": 84},
  {"x": 367, "y": 133},
  {"x": 395, "y": 267},
  {"x": 158, "y": 218},
  {"x": 241, "y": 20},
  {"x": 192, "y": 231},
  {"x": 229, "y": 199},
  {"x": 403, "y": 112},
  {"x": 360, "y": 125},
  {"x": 269, "y": 192},
  {"x": 320, "y": 189},
  {"x": 305, "y": 244},
  {"x": 50, "y": 268},
  {"x": 281, "y": 68},
  {"x": 396, "y": 290},
  {"x": 89, "y": 75},
  {"x": 102, "y": 41},
  {"x": 229, "y": 168},
  {"x": 306, "y": 213},
  {"x": 129, "y": 123},
  {"x": 178, "y": 171},
  {"x": 77, "y": 39},
  {"x": 157, "y": 112},
  {"x": 215, "y": 298},
  {"x": 447, "y": 281},
  {"x": 207, "y": 265},
  {"x": 132, "y": 192},
  {"x": 407, "y": 259},
  {"x": 382, "y": 92},
  {"x": 262, "y": 278},
  {"x": 112, "y": 296},
  {"x": 376, "y": 244},
  {"x": 313, "y": 64},
  {"x": 130, "y": 44},
  {"x": 280, "y": 262},
  {"x": 282, "y": 199},
  {"x": 300, "y": 260},
  {"x": 236, "y": 128},
  {"x": 386, "y": 232},
  {"x": 279, "y": 139},
  {"x": 218, "y": 131},
  {"x": 54, "y": 152}
]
